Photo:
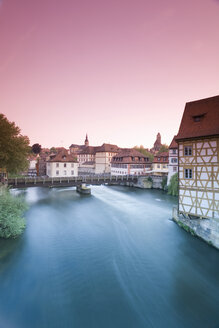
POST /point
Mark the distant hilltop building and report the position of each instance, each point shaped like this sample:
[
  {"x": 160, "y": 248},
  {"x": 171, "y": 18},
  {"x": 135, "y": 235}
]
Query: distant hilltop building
[
  {"x": 157, "y": 144},
  {"x": 198, "y": 147},
  {"x": 86, "y": 142},
  {"x": 76, "y": 149},
  {"x": 94, "y": 159}
]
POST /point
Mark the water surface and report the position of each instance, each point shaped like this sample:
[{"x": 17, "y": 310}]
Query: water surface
[{"x": 114, "y": 259}]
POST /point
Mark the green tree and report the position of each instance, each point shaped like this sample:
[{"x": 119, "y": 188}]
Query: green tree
[
  {"x": 36, "y": 148},
  {"x": 164, "y": 148},
  {"x": 12, "y": 222},
  {"x": 173, "y": 188},
  {"x": 164, "y": 183},
  {"x": 53, "y": 150},
  {"x": 145, "y": 152},
  {"x": 14, "y": 148}
]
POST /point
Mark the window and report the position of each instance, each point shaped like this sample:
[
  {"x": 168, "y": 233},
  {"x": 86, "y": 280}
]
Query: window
[
  {"x": 198, "y": 118},
  {"x": 65, "y": 164},
  {"x": 173, "y": 151},
  {"x": 72, "y": 172},
  {"x": 188, "y": 173},
  {"x": 57, "y": 172},
  {"x": 175, "y": 169},
  {"x": 158, "y": 166},
  {"x": 72, "y": 165},
  {"x": 173, "y": 160},
  {"x": 65, "y": 172},
  {"x": 188, "y": 151},
  {"x": 57, "y": 164}
]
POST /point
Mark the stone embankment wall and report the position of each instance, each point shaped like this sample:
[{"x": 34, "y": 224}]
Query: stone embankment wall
[
  {"x": 206, "y": 229},
  {"x": 155, "y": 181}
]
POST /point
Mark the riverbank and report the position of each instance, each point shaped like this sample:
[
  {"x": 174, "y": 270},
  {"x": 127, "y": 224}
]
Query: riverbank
[{"x": 205, "y": 229}]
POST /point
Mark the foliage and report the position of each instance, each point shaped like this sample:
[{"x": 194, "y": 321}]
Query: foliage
[
  {"x": 53, "y": 150},
  {"x": 149, "y": 179},
  {"x": 36, "y": 148},
  {"x": 173, "y": 188},
  {"x": 164, "y": 183},
  {"x": 145, "y": 152},
  {"x": 186, "y": 228},
  {"x": 12, "y": 222},
  {"x": 14, "y": 148},
  {"x": 163, "y": 148}
]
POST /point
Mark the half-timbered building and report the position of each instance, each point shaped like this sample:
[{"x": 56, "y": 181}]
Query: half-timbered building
[{"x": 198, "y": 156}]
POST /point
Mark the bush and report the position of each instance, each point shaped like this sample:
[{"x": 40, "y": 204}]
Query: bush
[
  {"x": 173, "y": 188},
  {"x": 164, "y": 183},
  {"x": 12, "y": 222}
]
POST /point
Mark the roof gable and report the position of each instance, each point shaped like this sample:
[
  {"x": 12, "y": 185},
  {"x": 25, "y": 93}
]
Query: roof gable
[{"x": 200, "y": 119}]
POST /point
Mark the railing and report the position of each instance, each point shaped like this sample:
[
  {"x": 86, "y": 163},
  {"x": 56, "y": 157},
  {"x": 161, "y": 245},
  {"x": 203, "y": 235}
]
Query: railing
[{"x": 73, "y": 181}]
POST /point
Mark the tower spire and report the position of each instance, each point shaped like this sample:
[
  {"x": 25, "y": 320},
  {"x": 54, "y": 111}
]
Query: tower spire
[{"x": 86, "y": 142}]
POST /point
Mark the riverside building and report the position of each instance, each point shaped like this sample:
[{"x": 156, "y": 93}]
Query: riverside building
[
  {"x": 198, "y": 144},
  {"x": 130, "y": 161},
  {"x": 160, "y": 164},
  {"x": 173, "y": 159},
  {"x": 62, "y": 164}
]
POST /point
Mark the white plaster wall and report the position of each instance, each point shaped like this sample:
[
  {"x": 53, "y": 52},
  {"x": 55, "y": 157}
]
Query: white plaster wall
[{"x": 51, "y": 169}]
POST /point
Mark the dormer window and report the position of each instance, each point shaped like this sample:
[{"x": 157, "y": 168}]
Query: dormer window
[{"x": 198, "y": 118}]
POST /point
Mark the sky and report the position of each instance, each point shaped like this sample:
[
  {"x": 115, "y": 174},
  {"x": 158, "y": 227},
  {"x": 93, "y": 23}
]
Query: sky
[{"x": 119, "y": 70}]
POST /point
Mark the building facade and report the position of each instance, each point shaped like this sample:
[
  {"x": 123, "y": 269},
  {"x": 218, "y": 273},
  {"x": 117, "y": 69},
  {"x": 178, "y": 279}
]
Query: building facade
[
  {"x": 173, "y": 159},
  {"x": 130, "y": 161},
  {"x": 104, "y": 155},
  {"x": 160, "y": 164},
  {"x": 198, "y": 144},
  {"x": 62, "y": 165}
]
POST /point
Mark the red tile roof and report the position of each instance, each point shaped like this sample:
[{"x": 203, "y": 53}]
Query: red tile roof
[
  {"x": 63, "y": 156},
  {"x": 130, "y": 155},
  {"x": 107, "y": 148},
  {"x": 173, "y": 144},
  {"x": 200, "y": 119},
  {"x": 88, "y": 150},
  {"x": 162, "y": 158}
]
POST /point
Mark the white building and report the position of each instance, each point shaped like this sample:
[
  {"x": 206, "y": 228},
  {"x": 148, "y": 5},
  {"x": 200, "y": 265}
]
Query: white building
[
  {"x": 160, "y": 164},
  {"x": 104, "y": 155},
  {"x": 173, "y": 159},
  {"x": 62, "y": 165},
  {"x": 198, "y": 142},
  {"x": 32, "y": 169},
  {"x": 130, "y": 161}
]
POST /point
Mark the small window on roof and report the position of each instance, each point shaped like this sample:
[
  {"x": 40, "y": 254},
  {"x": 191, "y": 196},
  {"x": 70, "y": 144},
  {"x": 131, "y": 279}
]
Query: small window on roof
[{"x": 198, "y": 118}]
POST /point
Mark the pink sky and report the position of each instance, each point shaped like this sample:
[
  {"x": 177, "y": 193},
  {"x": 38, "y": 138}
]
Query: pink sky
[{"x": 120, "y": 70}]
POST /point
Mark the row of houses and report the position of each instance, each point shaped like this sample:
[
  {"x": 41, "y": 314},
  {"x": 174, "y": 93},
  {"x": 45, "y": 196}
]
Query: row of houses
[{"x": 105, "y": 159}]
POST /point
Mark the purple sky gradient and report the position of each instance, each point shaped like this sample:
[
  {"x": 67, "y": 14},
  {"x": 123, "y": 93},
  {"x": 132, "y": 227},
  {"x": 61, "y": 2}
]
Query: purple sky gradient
[{"x": 120, "y": 70}]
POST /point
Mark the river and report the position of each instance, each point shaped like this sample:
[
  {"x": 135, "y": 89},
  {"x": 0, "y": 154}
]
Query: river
[{"x": 114, "y": 259}]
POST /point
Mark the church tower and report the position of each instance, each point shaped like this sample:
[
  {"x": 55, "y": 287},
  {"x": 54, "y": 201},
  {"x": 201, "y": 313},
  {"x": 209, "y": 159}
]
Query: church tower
[
  {"x": 157, "y": 144},
  {"x": 86, "y": 142}
]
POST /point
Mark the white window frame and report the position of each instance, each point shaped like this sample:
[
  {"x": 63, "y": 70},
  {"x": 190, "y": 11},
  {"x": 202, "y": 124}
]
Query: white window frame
[{"x": 188, "y": 174}]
